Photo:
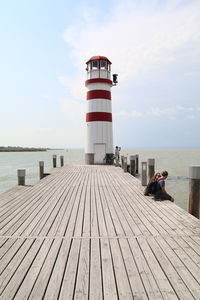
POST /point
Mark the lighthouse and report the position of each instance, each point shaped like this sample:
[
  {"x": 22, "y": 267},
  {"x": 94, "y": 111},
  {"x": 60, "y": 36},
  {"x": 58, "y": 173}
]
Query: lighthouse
[{"x": 99, "y": 131}]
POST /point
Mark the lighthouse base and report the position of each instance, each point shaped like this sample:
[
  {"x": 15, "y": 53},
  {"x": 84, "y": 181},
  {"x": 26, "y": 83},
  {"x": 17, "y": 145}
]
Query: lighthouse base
[{"x": 89, "y": 158}]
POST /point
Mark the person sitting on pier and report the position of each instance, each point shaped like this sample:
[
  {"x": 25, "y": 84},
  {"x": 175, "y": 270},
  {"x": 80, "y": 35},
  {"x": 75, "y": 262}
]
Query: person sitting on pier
[
  {"x": 151, "y": 187},
  {"x": 161, "y": 193}
]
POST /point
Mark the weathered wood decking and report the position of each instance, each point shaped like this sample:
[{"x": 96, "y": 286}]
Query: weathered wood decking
[{"x": 87, "y": 232}]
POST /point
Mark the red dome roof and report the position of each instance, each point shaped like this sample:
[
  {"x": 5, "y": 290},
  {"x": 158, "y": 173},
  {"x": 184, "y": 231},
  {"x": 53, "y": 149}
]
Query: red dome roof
[{"x": 97, "y": 58}]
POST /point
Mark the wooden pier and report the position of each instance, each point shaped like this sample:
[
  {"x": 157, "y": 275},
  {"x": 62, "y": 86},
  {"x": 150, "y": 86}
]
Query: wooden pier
[{"x": 87, "y": 232}]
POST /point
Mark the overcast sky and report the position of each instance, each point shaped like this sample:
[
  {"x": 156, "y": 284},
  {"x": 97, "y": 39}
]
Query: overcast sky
[{"x": 154, "y": 46}]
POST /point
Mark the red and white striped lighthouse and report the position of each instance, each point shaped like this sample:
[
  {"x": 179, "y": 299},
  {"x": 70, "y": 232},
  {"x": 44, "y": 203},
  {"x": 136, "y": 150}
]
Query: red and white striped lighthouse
[{"x": 99, "y": 132}]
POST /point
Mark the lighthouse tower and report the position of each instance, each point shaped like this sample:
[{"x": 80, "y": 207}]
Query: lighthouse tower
[{"x": 99, "y": 132}]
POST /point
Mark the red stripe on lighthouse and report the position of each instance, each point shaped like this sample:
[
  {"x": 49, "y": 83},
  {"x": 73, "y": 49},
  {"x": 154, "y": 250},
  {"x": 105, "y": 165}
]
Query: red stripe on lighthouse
[
  {"x": 97, "y": 80},
  {"x": 98, "y": 116},
  {"x": 98, "y": 94}
]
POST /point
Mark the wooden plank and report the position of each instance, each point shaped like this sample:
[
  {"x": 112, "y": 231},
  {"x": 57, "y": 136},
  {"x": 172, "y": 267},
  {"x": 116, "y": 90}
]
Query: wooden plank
[
  {"x": 39, "y": 271},
  {"x": 131, "y": 222},
  {"x": 78, "y": 231},
  {"x": 94, "y": 215},
  {"x": 9, "y": 251},
  {"x": 122, "y": 281},
  {"x": 108, "y": 219},
  {"x": 134, "y": 277},
  {"x": 95, "y": 285},
  {"x": 43, "y": 220},
  {"x": 173, "y": 277},
  {"x": 148, "y": 280},
  {"x": 100, "y": 215},
  {"x": 69, "y": 280},
  {"x": 17, "y": 269},
  {"x": 132, "y": 204},
  {"x": 89, "y": 233},
  {"x": 82, "y": 281},
  {"x": 50, "y": 221},
  {"x": 184, "y": 273},
  {"x": 109, "y": 284},
  {"x": 66, "y": 223},
  {"x": 109, "y": 201},
  {"x": 161, "y": 279},
  {"x": 53, "y": 289},
  {"x": 167, "y": 205},
  {"x": 87, "y": 209},
  {"x": 21, "y": 201},
  {"x": 70, "y": 229},
  {"x": 26, "y": 212},
  {"x": 190, "y": 247}
]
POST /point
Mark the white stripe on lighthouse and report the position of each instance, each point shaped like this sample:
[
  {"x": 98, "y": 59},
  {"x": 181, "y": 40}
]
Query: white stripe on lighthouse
[
  {"x": 98, "y": 86},
  {"x": 97, "y": 105}
]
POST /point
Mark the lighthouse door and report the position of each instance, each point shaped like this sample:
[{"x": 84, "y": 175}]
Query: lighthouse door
[{"x": 99, "y": 153}]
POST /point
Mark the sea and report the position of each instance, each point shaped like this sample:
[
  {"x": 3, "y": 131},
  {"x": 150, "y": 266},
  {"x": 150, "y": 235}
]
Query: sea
[{"x": 175, "y": 161}]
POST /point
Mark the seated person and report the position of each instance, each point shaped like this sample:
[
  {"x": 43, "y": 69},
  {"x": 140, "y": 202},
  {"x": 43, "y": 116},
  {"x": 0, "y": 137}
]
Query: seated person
[
  {"x": 161, "y": 193},
  {"x": 151, "y": 187}
]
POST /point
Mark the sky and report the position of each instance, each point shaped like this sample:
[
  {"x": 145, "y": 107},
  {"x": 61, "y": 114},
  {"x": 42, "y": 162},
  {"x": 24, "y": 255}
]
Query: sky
[{"x": 154, "y": 47}]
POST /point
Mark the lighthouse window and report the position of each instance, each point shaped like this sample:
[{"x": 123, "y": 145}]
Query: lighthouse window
[
  {"x": 95, "y": 65},
  {"x": 103, "y": 65}
]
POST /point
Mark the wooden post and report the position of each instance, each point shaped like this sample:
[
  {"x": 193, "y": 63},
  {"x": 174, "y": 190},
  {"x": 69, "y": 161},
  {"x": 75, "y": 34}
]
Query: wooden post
[
  {"x": 125, "y": 164},
  {"x": 122, "y": 161},
  {"x": 132, "y": 164},
  {"x": 61, "y": 160},
  {"x": 194, "y": 190},
  {"x": 54, "y": 161},
  {"x": 137, "y": 163},
  {"x": 144, "y": 173},
  {"x": 151, "y": 167},
  {"x": 41, "y": 168},
  {"x": 21, "y": 173}
]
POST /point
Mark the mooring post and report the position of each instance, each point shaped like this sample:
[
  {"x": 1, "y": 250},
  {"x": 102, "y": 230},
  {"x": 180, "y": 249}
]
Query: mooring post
[
  {"x": 41, "y": 169},
  {"x": 132, "y": 164},
  {"x": 122, "y": 161},
  {"x": 125, "y": 164},
  {"x": 194, "y": 190},
  {"x": 61, "y": 160},
  {"x": 54, "y": 161},
  {"x": 21, "y": 173},
  {"x": 137, "y": 163},
  {"x": 151, "y": 167},
  {"x": 144, "y": 173}
]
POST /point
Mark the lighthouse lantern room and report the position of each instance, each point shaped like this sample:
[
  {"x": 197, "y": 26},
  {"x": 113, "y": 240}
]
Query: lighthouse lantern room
[{"x": 99, "y": 132}]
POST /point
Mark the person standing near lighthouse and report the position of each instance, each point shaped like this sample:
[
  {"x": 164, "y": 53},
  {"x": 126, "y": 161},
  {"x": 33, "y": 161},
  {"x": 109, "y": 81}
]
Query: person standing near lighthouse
[{"x": 99, "y": 131}]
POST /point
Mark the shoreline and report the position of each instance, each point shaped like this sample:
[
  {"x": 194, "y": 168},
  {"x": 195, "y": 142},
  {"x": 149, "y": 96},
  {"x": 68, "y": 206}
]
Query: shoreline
[{"x": 23, "y": 150}]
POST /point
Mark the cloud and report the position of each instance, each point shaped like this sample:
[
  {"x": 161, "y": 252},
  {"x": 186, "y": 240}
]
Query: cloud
[
  {"x": 181, "y": 108},
  {"x": 136, "y": 37},
  {"x": 172, "y": 112},
  {"x": 139, "y": 37},
  {"x": 156, "y": 111},
  {"x": 143, "y": 39},
  {"x": 133, "y": 113}
]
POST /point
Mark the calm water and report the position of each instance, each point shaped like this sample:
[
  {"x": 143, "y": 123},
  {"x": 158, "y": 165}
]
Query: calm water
[{"x": 175, "y": 161}]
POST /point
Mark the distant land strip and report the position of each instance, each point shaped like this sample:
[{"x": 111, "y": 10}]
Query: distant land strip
[{"x": 21, "y": 149}]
